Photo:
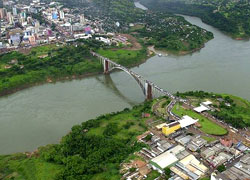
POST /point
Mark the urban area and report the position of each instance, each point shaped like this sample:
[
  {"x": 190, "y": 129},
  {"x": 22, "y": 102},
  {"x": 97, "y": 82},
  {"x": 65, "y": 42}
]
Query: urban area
[
  {"x": 185, "y": 140},
  {"x": 24, "y": 27}
]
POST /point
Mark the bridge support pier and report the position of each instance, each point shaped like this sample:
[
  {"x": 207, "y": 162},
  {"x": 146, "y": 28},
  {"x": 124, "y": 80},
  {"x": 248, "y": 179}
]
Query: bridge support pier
[
  {"x": 149, "y": 94},
  {"x": 106, "y": 66}
]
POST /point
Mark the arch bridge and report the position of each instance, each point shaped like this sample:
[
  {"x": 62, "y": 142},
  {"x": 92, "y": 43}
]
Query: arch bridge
[{"x": 149, "y": 89}]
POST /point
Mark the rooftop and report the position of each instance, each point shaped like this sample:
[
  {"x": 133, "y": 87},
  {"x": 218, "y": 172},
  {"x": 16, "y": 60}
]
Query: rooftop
[{"x": 187, "y": 121}]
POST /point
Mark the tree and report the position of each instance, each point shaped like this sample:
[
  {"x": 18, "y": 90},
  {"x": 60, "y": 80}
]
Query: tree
[
  {"x": 167, "y": 172},
  {"x": 148, "y": 137},
  {"x": 221, "y": 168}
]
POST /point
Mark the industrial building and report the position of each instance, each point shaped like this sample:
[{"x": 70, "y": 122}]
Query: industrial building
[
  {"x": 189, "y": 168},
  {"x": 166, "y": 159}
]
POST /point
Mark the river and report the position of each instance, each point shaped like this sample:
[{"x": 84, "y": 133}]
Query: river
[{"x": 43, "y": 114}]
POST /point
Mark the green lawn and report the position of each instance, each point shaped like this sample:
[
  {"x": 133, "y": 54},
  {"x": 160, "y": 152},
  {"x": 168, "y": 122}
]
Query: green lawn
[
  {"x": 19, "y": 167},
  {"x": 208, "y": 126}
]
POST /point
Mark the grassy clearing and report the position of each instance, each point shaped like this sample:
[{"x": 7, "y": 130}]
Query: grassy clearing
[
  {"x": 19, "y": 167},
  {"x": 208, "y": 126},
  {"x": 137, "y": 27},
  {"x": 123, "y": 56},
  {"x": 128, "y": 123},
  {"x": 42, "y": 50}
]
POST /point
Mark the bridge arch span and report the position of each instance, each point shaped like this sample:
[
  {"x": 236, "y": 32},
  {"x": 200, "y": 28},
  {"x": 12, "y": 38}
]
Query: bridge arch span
[
  {"x": 139, "y": 82},
  {"x": 149, "y": 89}
]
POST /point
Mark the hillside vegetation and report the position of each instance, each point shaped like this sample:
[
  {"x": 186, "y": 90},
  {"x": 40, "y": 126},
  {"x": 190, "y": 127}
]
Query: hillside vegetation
[
  {"x": 231, "y": 17},
  {"x": 92, "y": 150},
  {"x": 50, "y": 63}
]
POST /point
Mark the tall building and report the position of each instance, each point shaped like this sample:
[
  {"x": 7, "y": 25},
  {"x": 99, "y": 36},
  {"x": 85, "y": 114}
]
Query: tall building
[
  {"x": 10, "y": 18},
  {"x": 82, "y": 19},
  {"x": 14, "y": 11},
  {"x": 37, "y": 26},
  {"x": 3, "y": 13},
  {"x": 61, "y": 15}
]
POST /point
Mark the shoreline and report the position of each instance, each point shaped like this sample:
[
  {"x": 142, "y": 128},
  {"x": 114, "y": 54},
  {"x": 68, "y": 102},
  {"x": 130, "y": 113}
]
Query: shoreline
[
  {"x": 151, "y": 51},
  {"x": 65, "y": 78},
  {"x": 237, "y": 38},
  {"x": 179, "y": 53}
]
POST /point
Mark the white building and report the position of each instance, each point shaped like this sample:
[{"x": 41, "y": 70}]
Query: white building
[
  {"x": 82, "y": 19},
  {"x": 62, "y": 16}
]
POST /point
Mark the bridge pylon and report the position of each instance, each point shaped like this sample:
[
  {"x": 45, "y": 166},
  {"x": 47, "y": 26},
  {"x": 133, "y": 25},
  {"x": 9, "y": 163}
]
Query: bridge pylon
[
  {"x": 148, "y": 90},
  {"x": 106, "y": 66}
]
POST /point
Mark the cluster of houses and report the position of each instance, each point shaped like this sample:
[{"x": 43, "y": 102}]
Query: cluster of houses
[{"x": 40, "y": 23}]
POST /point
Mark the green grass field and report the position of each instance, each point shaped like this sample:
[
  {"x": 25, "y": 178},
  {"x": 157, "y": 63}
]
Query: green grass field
[
  {"x": 208, "y": 126},
  {"x": 123, "y": 56},
  {"x": 19, "y": 167},
  {"x": 43, "y": 50}
]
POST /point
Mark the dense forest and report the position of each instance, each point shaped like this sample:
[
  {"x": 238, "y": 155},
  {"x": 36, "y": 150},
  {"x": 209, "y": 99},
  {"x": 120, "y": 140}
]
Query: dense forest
[{"x": 229, "y": 16}]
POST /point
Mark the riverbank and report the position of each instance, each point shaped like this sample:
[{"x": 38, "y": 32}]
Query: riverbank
[
  {"x": 224, "y": 18},
  {"x": 113, "y": 136},
  {"x": 134, "y": 58},
  {"x": 164, "y": 52},
  {"x": 222, "y": 66}
]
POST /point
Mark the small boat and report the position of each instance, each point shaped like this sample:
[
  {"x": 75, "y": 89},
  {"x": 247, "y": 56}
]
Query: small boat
[{"x": 160, "y": 55}]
